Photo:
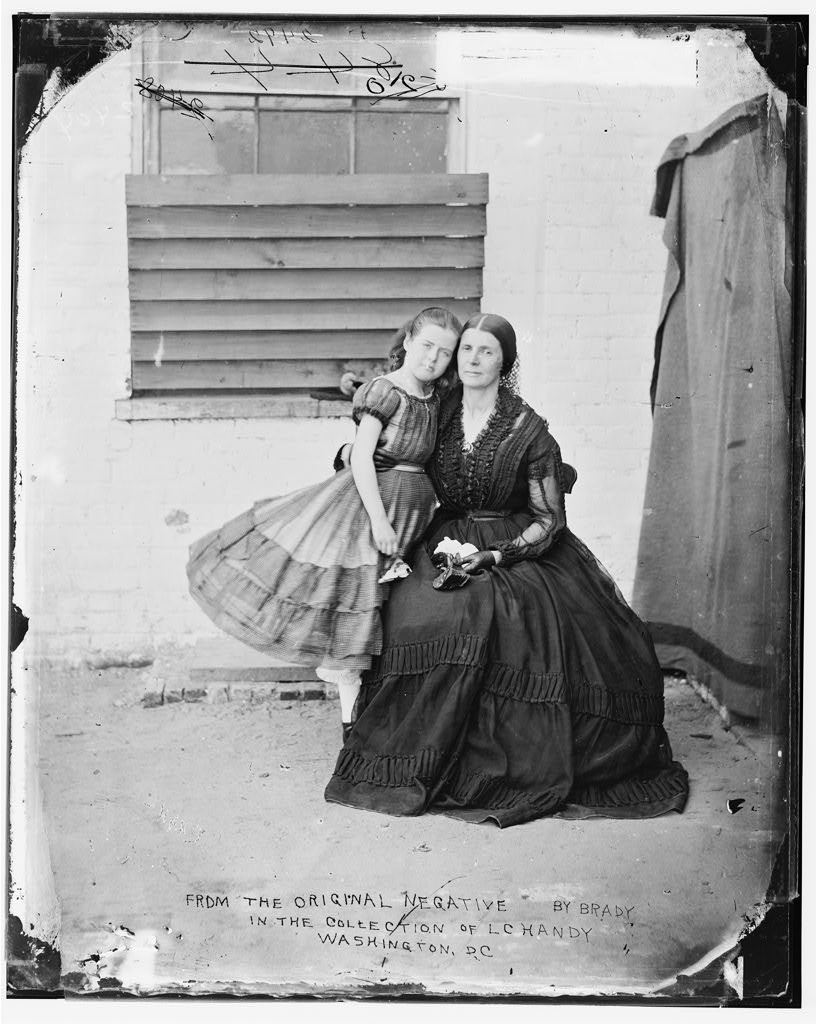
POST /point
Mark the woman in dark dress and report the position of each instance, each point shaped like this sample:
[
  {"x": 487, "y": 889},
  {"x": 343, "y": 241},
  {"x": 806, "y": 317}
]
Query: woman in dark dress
[{"x": 534, "y": 689}]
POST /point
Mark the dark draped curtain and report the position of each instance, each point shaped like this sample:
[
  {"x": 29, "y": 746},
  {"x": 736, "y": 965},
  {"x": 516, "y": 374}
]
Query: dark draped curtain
[{"x": 713, "y": 579}]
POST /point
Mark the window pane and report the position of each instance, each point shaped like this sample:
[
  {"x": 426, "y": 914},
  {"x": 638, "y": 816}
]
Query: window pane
[
  {"x": 304, "y": 142},
  {"x": 186, "y": 146},
  {"x": 387, "y": 143}
]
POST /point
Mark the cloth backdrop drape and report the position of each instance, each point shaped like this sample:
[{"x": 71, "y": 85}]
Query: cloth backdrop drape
[{"x": 713, "y": 574}]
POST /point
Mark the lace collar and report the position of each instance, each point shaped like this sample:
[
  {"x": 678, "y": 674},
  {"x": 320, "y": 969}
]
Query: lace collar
[{"x": 505, "y": 410}]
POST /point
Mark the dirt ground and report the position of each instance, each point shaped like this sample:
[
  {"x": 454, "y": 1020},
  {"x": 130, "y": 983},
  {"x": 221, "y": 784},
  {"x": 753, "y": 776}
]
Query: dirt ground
[{"x": 192, "y": 851}]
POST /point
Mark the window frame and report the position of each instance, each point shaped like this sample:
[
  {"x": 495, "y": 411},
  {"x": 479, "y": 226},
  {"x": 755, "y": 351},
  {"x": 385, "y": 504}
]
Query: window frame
[
  {"x": 146, "y": 116},
  {"x": 311, "y": 103},
  {"x": 145, "y": 143}
]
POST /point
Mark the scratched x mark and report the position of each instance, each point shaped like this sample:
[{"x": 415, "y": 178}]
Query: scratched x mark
[{"x": 383, "y": 83}]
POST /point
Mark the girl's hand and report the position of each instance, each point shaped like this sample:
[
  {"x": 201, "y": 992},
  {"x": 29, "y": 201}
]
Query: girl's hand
[
  {"x": 480, "y": 560},
  {"x": 384, "y": 537}
]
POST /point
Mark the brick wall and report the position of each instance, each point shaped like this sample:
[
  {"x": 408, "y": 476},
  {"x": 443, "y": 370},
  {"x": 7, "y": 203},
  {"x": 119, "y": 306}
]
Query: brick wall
[
  {"x": 576, "y": 262},
  {"x": 106, "y": 508}
]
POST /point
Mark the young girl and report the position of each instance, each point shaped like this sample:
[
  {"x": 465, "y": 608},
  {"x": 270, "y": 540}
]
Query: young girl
[{"x": 297, "y": 577}]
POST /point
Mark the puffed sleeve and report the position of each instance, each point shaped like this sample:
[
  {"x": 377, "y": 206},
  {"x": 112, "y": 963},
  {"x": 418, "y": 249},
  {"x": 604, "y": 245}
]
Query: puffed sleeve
[
  {"x": 546, "y": 503},
  {"x": 378, "y": 398}
]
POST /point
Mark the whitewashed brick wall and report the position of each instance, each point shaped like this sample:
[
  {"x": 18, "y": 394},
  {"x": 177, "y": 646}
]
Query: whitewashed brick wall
[
  {"x": 106, "y": 509},
  {"x": 577, "y": 263}
]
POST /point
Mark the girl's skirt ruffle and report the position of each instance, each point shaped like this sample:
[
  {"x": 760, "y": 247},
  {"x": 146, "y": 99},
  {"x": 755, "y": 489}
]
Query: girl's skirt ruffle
[{"x": 296, "y": 577}]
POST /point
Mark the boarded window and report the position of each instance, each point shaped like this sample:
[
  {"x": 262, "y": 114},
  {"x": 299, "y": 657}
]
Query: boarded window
[{"x": 280, "y": 283}]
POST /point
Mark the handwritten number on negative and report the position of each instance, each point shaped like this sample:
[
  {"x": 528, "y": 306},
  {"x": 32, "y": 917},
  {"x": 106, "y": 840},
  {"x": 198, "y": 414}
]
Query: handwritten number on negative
[
  {"x": 256, "y": 37},
  {"x": 192, "y": 108}
]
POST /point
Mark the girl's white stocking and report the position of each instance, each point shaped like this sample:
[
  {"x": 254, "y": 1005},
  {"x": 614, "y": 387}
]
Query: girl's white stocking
[
  {"x": 348, "y": 683},
  {"x": 348, "y": 695}
]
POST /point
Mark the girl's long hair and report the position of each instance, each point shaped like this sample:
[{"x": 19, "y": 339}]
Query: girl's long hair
[{"x": 430, "y": 315}]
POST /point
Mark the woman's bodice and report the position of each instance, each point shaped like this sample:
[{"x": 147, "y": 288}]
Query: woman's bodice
[
  {"x": 514, "y": 465},
  {"x": 514, "y": 444}
]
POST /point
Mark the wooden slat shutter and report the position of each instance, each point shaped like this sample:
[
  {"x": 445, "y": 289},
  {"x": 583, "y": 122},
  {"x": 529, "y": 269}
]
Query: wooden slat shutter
[{"x": 280, "y": 283}]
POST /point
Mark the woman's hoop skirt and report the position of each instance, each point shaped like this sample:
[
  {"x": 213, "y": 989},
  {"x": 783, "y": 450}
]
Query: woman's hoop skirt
[{"x": 532, "y": 690}]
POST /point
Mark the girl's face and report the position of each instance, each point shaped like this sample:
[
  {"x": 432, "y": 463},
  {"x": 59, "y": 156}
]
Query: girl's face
[
  {"x": 479, "y": 359},
  {"x": 429, "y": 352}
]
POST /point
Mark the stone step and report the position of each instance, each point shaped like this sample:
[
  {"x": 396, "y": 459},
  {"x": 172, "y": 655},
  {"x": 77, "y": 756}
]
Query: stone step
[{"x": 223, "y": 660}]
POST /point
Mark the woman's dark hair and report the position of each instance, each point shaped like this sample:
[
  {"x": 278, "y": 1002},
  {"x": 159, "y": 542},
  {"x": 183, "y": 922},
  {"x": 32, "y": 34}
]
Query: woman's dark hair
[
  {"x": 499, "y": 327},
  {"x": 431, "y": 315}
]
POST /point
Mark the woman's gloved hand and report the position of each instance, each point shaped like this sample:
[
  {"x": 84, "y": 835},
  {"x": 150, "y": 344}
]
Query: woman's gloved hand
[
  {"x": 452, "y": 576},
  {"x": 479, "y": 561}
]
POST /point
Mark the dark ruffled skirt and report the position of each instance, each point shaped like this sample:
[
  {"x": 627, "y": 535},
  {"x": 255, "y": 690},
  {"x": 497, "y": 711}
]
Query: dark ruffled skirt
[
  {"x": 533, "y": 690},
  {"x": 296, "y": 576}
]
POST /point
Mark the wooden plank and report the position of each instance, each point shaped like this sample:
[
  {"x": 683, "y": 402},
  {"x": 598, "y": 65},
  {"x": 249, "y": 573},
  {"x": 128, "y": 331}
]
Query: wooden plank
[
  {"x": 303, "y": 284},
  {"x": 209, "y": 375},
  {"x": 253, "y": 315},
  {"x": 305, "y": 222},
  {"x": 204, "y": 345},
  {"x": 206, "y": 405},
  {"x": 301, "y": 189},
  {"x": 265, "y": 677},
  {"x": 252, "y": 254}
]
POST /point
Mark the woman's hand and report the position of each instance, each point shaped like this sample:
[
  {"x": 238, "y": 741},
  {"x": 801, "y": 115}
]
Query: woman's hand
[
  {"x": 476, "y": 562},
  {"x": 385, "y": 538}
]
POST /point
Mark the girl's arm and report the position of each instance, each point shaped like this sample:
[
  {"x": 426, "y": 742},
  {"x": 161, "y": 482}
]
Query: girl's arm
[{"x": 365, "y": 477}]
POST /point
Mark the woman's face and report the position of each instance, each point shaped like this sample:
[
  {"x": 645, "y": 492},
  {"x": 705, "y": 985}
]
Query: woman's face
[
  {"x": 429, "y": 352},
  {"x": 479, "y": 359}
]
